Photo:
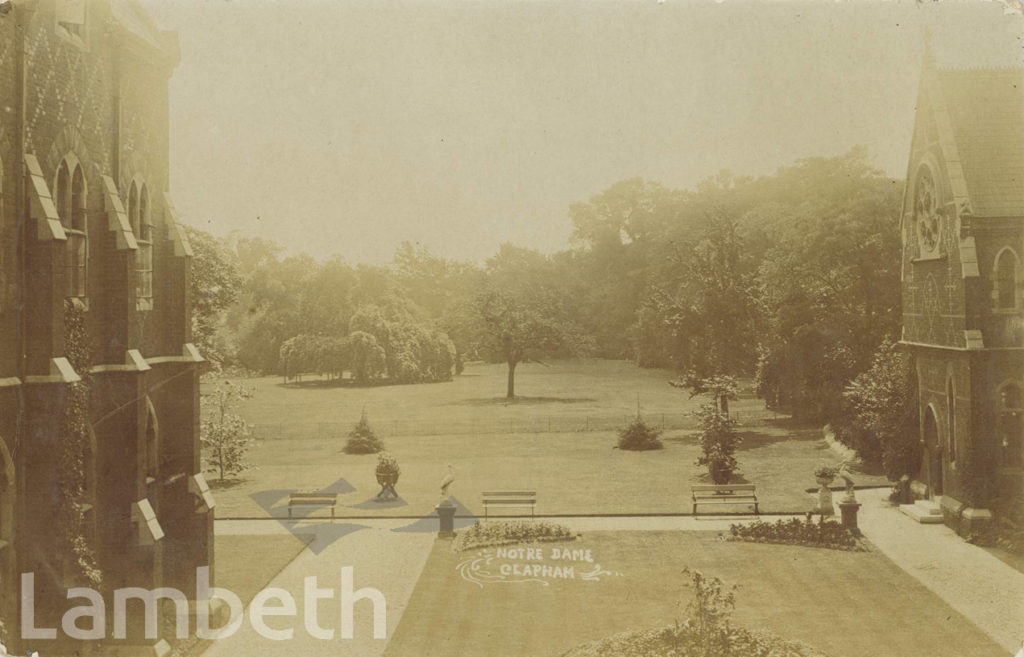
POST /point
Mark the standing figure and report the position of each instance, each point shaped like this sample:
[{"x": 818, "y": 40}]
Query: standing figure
[
  {"x": 844, "y": 472},
  {"x": 447, "y": 481}
]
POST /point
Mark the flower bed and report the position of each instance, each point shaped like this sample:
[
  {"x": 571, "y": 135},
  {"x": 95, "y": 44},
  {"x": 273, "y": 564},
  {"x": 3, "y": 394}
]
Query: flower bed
[
  {"x": 681, "y": 641},
  {"x": 827, "y": 534},
  {"x": 506, "y": 533}
]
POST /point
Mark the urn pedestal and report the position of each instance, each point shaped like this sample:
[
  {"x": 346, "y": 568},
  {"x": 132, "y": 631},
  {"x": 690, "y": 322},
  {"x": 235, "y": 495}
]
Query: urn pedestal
[{"x": 825, "y": 507}]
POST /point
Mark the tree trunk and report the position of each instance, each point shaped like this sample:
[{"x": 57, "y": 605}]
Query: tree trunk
[
  {"x": 511, "y": 394},
  {"x": 723, "y": 405}
]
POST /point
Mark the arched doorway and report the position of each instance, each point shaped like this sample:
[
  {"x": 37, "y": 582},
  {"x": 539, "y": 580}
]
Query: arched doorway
[
  {"x": 933, "y": 451},
  {"x": 1011, "y": 426}
]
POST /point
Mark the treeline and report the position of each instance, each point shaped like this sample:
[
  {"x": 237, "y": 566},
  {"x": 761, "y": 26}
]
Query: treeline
[{"x": 790, "y": 278}]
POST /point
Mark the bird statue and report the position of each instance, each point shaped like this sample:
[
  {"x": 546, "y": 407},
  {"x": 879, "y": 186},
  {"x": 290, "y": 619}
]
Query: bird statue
[{"x": 447, "y": 481}]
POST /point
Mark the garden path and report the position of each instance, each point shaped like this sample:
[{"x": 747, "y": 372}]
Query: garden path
[{"x": 969, "y": 579}]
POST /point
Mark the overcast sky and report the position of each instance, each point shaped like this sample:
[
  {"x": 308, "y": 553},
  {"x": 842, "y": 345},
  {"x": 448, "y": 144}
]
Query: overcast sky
[{"x": 347, "y": 128}]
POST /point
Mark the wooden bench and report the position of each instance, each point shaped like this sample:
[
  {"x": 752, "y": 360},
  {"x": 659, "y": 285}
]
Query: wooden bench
[
  {"x": 510, "y": 498},
  {"x": 312, "y": 499},
  {"x": 724, "y": 494}
]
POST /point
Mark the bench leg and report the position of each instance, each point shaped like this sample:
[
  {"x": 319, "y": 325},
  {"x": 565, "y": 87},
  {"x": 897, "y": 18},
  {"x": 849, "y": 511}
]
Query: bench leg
[
  {"x": 289, "y": 512},
  {"x": 694, "y": 508},
  {"x": 756, "y": 512}
]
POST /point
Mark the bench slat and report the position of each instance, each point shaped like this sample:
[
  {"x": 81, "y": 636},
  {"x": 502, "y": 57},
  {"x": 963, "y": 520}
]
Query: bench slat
[
  {"x": 510, "y": 498},
  {"x": 720, "y": 487},
  {"x": 731, "y": 500}
]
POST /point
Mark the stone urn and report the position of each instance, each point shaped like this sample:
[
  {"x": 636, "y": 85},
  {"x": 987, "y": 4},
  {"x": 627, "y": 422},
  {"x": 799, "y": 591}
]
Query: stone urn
[
  {"x": 825, "y": 507},
  {"x": 386, "y": 477}
]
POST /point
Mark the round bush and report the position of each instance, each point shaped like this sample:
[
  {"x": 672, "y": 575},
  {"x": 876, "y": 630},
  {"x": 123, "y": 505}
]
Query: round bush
[
  {"x": 639, "y": 437},
  {"x": 362, "y": 439}
]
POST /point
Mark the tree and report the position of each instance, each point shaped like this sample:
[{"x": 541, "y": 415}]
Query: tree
[
  {"x": 718, "y": 441},
  {"x": 214, "y": 287},
  {"x": 828, "y": 280},
  {"x": 224, "y": 435},
  {"x": 367, "y": 358},
  {"x": 523, "y": 312},
  {"x": 880, "y": 413}
]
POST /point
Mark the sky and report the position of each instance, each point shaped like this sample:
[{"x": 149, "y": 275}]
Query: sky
[{"x": 346, "y": 128}]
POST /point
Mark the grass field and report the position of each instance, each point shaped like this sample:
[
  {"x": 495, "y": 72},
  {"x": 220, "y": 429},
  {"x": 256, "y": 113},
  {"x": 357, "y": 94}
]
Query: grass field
[
  {"x": 574, "y": 472},
  {"x": 846, "y": 604},
  {"x": 238, "y": 572}
]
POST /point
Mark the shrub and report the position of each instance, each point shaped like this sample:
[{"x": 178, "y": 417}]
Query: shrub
[
  {"x": 707, "y": 633},
  {"x": 718, "y": 442},
  {"x": 505, "y": 533},
  {"x": 678, "y": 641},
  {"x": 224, "y": 435},
  {"x": 879, "y": 414},
  {"x": 639, "y": 437},
  {"x": 362, "y": 439},
  {"x": 1004, "y": 537},
  {"x": 826, "y": 534},
  {"x": 825, "y": 472},
  {"x": 387, "y": 465}
]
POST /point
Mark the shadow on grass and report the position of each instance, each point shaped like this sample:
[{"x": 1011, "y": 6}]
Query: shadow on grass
[
  {"x": 682, "y": 439},
  {"x": 521, "y": 401},
  {"x": 736, "y": 478},
  {"x": 755, "y": 439},
  {"x": 226, "y": 484}
]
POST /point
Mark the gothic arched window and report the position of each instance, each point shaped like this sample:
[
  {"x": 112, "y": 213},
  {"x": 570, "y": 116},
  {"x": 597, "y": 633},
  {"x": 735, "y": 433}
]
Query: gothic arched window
[
  {"x": 71, "y": 208},
  {"x": 139, "y": 214},
  {"x": 1006, "y": 280}
]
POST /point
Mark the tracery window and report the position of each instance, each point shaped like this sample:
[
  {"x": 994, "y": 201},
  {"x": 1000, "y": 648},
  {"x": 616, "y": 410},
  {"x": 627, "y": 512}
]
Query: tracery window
[
  {"x": 1005, "y": 295},
  {"x": 139, "y": 214},
  {"x": 71, "y": 208}
]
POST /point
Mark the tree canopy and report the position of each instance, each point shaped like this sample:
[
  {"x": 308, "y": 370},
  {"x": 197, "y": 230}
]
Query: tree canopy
[{"x": 792, "y": 278}]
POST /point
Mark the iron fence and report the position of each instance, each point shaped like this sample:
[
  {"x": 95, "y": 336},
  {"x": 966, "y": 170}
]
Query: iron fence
[{"x": 456, "y": 426}]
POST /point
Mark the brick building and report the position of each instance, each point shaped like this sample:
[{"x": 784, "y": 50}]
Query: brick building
[
  {"x": 963, "y": 288},
  {"x": 94, "y": 321}
]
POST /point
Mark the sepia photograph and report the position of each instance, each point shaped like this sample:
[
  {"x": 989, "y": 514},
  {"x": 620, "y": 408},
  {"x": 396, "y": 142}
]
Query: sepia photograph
[{"x": 512, "y": 328}]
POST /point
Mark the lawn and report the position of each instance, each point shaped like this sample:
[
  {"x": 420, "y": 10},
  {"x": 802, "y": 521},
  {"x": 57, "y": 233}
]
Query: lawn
[
  {"x": 239, "y": 572},
  {"x": 301, "y": 432},
  {"x": 846, "y": 604}
]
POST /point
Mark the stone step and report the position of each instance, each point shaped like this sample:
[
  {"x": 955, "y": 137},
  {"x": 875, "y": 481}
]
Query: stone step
[
  {"x": 922, "y": 516},
  {"x": 930, "y": 507}
]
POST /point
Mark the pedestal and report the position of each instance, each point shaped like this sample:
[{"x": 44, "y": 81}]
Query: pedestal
[
  {"x": 825, "y": 501},
  {"x": 446, "y": 512},
  {"x": 849, "y": 511}
]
